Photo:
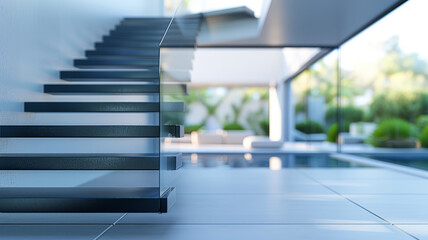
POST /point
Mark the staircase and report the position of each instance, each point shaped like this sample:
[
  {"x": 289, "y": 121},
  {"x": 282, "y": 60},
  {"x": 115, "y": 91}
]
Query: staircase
[{"x": 126, "y": 62}]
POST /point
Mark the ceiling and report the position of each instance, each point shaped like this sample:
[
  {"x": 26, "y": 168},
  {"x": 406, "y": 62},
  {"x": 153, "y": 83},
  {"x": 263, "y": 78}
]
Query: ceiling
[
  {"x": 288, "y": 39},
  {"x": 313, "y": 23}
]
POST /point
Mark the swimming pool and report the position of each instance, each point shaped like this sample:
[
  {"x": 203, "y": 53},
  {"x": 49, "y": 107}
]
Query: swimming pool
[
  {"x": 273, "y": 162},
  {"x": 416, "y": 161}
]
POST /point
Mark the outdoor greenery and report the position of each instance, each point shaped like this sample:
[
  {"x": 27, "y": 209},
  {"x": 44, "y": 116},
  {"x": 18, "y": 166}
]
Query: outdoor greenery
[
  {"x": 233, "y": 126},
  {"x": 309, "y": 127},
  {"x": 399, "y": 104},
  {"x": 333, "y": 133},
  {"x": 264, "y": 125},
  {"x": 423, "y": 138},
  {"x": 422, "y": 121},
  {"x": 390, "y": 89},
  {"x": 394, "y": 133},
  {"x": 233, "y": 108},
  {"x": 191, "y": 128},
  {"x": 349, "y": 114}
]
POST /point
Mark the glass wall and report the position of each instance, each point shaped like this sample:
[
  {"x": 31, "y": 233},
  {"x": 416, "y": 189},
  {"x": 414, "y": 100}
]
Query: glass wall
[
  {"x": 385, "y": 83},
  {"x": 315, "y": 103},
  {"x": 382, "y": 92},
  {"x": 230, "y": 109},
  {"x": 176, "y": 53}
]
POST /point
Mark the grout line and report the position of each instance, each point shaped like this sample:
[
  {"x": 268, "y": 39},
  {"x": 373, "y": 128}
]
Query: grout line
[
  {"x": 255, "y": 194},
  {"x": 214, "y": 224},
  {"x": 102, "y": 233},
  {"x": 109, "y": 227},
  {"x": 252, "y": 224},
  {"x": 357, "y": 204}
]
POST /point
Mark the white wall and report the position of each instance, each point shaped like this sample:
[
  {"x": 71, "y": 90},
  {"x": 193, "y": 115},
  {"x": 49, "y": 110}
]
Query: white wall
[
  {"x": 41, "y": 37},
  {"x": 38, "y": 38},
  {"x": 234, "y": 66}
]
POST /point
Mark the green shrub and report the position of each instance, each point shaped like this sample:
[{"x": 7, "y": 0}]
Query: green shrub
[
  {"x": 264, "y": 125},
  {"x": 193, "y": 128},
  {"x": 349, "y": 114},
  {"x": 309, "y": 127},
  {"x": 401, "y": 105},
  {"x": 332, "y": 133},
  {"x": 300, "y": 108},
  {"x": 422, "y": 121},
  {"x": 233, "y": 126},
  {"x": 423, "y": 138},
  {"x": 394, "y": 133}
]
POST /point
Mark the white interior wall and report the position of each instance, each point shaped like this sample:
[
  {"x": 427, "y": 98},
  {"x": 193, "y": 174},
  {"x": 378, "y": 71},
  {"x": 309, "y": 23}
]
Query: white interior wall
[
  {"x": 235, "y": 66},
  {"x": 40, "y": 38}
]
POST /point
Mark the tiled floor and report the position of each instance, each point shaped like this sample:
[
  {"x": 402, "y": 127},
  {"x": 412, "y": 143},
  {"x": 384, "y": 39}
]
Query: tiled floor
[{"x": 257, "y": 203}]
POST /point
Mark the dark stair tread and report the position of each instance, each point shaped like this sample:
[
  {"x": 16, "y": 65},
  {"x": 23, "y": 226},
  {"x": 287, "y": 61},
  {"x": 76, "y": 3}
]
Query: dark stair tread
[
  {"x": 85, "y": 199},
  {"x": 103, "y": 107},
  {"x": 149, "y": 41},
  {"x": 114, "y": 88},
  {"x": 143, "y": 37},
  {"x": 113, "y": 44},
  {"x": 140, "y": 75},
  {"x": 195, "y": 17},
  {"x": 174, "y": 44},
  {"x": 147, "y": 32},
  {"x": 113, "y": 52},
  {"x": 160, "y": 23},
  {"x": 89, "y": 131},
  {"x": 87, "y": 161},
  {"x": 114, "y": 66},
  {"x": 153, "y": 30},
  {"x": 131, "y": 51},
  {"x": 126, "y": 43}
]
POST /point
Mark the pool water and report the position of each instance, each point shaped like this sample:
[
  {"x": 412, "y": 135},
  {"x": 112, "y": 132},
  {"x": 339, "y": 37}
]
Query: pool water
[
  {"x": 420, "y": 162},
  {"x": 273, "y": 162}
]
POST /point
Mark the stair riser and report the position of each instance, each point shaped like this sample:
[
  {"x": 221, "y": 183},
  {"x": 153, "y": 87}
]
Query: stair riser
[
  {"x": 79, "y": 163},
  {"x": 102, "y": 89},
  {"x": 114, "y": 89},
  {"x": 148, "y": 41},
  {"x": 91, "y": 107},
  {"x": 130, "y": 44},
  {"x": 144, "y": 37},
  {"x": 88, "y": 131},
  {"x": 112, "y": 66},
  {"x": 66, "y": 200},
  {"x": 102, "y": 107},
  {"x": 109, "y": 76},
  {"x": 124, "y": 52}
]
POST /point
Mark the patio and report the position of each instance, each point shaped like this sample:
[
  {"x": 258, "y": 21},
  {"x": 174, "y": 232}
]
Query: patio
[{"x": 256, "y": 203}]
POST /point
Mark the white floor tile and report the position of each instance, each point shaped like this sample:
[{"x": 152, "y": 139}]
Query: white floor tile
[
  {"x": 398, "y": 209},
  {"x": 258, "y": 208},
  {"x": 59, "y": 218},
  {"x": 247, "y": 181},
  {"x": 50, "y": 232},
  {"x": 378, "y": 186},
  {"x": 249, "y": 232},
  {"x": 419, "y": 231},
  {"x": 356, "y": 173}
]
